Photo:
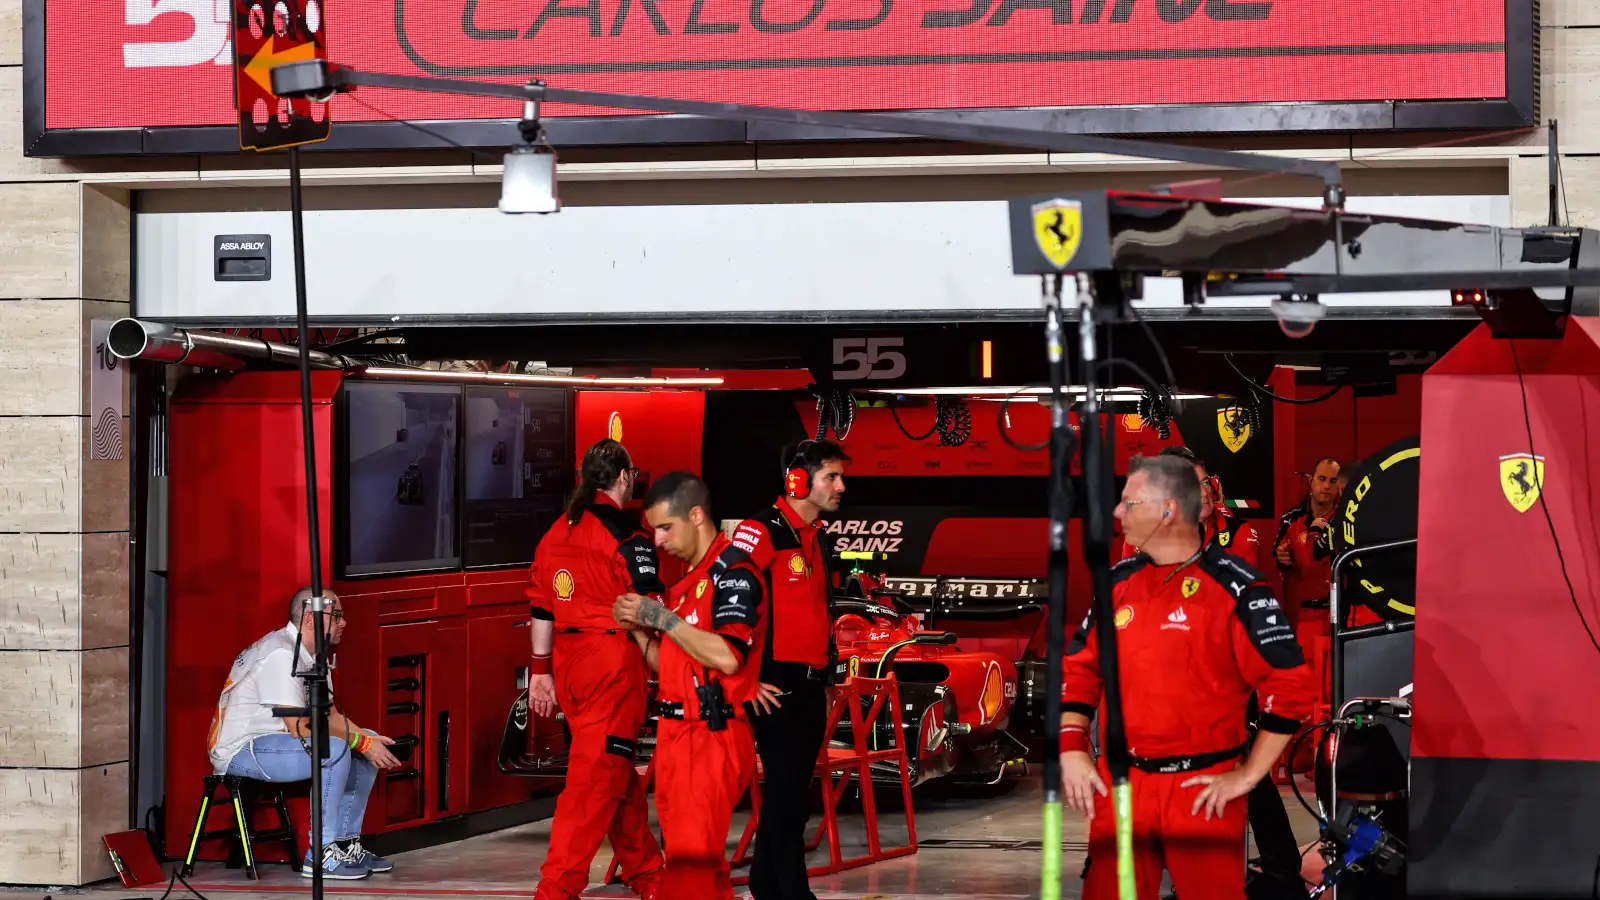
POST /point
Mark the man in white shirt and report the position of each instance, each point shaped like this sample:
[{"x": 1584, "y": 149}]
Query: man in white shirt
[{"x": 246, "y": 739}]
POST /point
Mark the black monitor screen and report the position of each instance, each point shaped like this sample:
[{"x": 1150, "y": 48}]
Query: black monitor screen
[
  {"x": 400, "y": 477},
  {"x": 518, "y": 447}
]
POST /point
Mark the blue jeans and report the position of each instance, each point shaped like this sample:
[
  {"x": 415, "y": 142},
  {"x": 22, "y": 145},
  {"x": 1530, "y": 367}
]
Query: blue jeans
[{"x": 347, "y": 779}]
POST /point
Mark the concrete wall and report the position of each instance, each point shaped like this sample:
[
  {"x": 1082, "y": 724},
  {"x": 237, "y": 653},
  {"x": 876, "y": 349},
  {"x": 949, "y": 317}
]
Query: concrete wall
[
  {"x": 64, "y": 261},
  {"x": 63, "y": 537}
]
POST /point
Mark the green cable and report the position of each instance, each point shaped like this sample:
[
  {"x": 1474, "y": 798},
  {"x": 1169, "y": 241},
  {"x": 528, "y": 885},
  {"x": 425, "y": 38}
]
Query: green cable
[
  {"x": 1050, "y": 886},
  {"x": 1122, "y": 796}
]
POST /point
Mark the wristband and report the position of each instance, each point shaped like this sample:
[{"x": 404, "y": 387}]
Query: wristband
[
  {"x": 363, "y": 743},
  {"x": 355, "y": 738},
  {"x": 540, "y": 665},
  {"x": 1074, "y": 739}
]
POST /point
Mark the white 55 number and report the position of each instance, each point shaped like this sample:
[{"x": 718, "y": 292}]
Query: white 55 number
[{"x": 873, "y": 362}]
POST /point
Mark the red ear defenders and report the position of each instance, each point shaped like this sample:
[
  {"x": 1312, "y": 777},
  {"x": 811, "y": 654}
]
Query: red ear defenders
[{"x": 797, "y": 481}]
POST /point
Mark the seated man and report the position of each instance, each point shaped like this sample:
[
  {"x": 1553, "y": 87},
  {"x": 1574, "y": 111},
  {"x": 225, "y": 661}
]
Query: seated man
[{"x": 248, "y": 740}]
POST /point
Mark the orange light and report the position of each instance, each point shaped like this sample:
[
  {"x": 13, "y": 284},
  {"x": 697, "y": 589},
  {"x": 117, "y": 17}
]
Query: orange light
[{"x": 988, "y": 359}]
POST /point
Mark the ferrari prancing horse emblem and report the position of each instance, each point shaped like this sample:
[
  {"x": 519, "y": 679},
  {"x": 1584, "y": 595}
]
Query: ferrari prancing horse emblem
[
  {"x": 1232, "y": 428},
  {"x": 1057, "y": 229},
  {"x": 1522, "y": 479},
  {"x": 1190, "y": 586}
]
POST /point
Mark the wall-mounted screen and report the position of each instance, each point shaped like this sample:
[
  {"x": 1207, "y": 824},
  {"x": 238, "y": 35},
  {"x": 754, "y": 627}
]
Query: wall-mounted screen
[
  {"x": 517, "y": 450},
  {"x": 399, "y": 478}
]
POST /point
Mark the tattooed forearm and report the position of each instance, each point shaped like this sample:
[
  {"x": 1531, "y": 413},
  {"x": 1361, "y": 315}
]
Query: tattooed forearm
[{"x": 653, "y": 614}]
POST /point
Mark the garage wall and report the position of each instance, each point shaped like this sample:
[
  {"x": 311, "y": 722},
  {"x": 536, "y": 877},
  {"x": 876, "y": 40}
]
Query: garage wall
[{"x": 64, "y": 655}]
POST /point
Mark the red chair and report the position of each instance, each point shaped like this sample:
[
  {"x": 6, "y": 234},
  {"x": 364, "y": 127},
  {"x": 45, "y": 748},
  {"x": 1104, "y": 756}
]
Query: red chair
[{"x": 853, "y": 762}]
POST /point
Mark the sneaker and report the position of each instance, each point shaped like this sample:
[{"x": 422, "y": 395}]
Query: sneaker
[
  {"x": 336, "y": 865},
  {"x": 362, "y": 856}
]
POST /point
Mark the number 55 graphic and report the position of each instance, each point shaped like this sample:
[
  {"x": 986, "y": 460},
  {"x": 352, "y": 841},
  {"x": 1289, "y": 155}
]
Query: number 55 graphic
[
  {"x": 867, "y": 353},
  {"x": 209, "y": 42}
]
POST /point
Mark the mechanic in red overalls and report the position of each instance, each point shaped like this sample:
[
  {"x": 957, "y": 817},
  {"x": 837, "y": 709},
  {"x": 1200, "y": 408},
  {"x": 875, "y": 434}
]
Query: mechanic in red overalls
[
  {"x": 706, "y": 643},
  {"x": 785, "y": 544},
  {"x": 1198, "y": 633},
  {"x": 592, "y": 554},
  {"x": 1301, "y": 548},
  {"x": 1235, "y": 534}
]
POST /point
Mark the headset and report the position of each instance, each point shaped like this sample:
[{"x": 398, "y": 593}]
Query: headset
[{"x": 797, "y": 480}]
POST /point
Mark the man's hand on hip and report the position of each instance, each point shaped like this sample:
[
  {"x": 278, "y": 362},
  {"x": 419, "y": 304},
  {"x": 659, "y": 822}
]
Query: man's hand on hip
[{"x": 1219, "y": 789}]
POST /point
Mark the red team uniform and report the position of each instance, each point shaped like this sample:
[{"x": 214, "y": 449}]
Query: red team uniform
[
  {"x": 1195, "y": 641},
  {"x": 701, "y": 773},
  {"x": 600, "y": 678}
]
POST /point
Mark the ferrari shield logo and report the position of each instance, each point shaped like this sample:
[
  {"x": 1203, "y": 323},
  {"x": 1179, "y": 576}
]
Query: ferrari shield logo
[
  {"x": 1057, "y": 228},
  {"x": 854, "y": 666},
  {"x": 1190, "y": 586},
  {"x": 1233, "y": 428},
  {"x": 1225, "y": 538},
  {"x": 1522, "y": 478}
]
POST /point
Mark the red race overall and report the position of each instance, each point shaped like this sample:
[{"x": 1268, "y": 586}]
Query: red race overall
[
  {"x": 600, "y": 677},
  {"x": 700, "y": 773},
  {"x": 1195, "y": 641}
]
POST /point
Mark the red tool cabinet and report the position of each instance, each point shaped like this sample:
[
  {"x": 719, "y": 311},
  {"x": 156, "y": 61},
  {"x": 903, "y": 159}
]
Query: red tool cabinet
[{"x": 432, "y": 660}]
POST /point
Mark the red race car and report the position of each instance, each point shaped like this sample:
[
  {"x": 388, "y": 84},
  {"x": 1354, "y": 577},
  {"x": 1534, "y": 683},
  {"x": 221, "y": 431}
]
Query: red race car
[{"x": 965, "y": 709}]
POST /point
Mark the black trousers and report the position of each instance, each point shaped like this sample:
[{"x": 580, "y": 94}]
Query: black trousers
[
  {"x": 788, "y": 741},
  {"x": 1278, "y": 853}
]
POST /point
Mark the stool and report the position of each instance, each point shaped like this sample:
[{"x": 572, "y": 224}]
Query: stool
[{"x": 242, "y": 839}]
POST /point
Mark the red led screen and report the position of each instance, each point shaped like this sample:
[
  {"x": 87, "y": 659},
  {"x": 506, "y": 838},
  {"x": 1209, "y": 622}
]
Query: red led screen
[{"x": 142, "y": 63}]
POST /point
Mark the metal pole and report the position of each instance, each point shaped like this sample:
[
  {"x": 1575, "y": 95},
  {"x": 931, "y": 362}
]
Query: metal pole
[
  {"x": 1097, "y": 554},
  {"x": 317, "y": 678},
  {"x": 1061, "y": 439}
]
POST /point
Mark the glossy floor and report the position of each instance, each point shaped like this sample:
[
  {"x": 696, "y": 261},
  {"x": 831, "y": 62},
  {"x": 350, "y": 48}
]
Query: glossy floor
[{"x": 982, "y": 846}]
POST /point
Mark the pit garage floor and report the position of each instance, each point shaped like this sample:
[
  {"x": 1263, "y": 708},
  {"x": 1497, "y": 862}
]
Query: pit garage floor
[{"x": 975, "y": 845}]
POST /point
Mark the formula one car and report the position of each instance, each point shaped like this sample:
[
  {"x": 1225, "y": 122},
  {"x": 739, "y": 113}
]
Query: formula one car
[
  {"x": 409, "y": 490},
  {"x": 959, "y": 704}
]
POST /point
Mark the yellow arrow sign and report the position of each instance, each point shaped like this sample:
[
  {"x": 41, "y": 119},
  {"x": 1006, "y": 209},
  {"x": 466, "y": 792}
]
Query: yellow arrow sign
[{"x": 260, "y": 67}]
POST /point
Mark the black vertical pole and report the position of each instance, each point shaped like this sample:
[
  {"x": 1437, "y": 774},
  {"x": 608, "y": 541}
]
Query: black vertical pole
[
  {"x": 317, "y": 678},
  {"x": 1553, "y": 157},
  {"x": 1061, "y": 441},
  {"x": 1098, "y": 483}
]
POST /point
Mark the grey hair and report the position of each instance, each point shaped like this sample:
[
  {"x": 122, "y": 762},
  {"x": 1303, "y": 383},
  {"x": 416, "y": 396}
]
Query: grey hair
[
  {"x": 297, "y": 603},
  {"x": 1173, "y": 477}
]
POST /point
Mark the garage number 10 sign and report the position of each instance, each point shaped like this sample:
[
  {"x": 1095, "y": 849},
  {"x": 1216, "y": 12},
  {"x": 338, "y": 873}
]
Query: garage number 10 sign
[{"x": 268, "y": 33}]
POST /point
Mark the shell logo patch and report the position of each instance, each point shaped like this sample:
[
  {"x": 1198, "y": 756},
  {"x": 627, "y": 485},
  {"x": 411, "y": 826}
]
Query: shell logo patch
[
  {"x": 1190, "y": 586},
  {"x": 563, "y": 584},
  {"x": 1123, "y": 617},
  {"x": 797, "y": 565},
  {"x": 614, "y": 427}
]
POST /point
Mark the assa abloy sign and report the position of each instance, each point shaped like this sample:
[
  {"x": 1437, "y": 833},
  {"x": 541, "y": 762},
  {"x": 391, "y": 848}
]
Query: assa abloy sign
[{"x": 1123, "y": 66}]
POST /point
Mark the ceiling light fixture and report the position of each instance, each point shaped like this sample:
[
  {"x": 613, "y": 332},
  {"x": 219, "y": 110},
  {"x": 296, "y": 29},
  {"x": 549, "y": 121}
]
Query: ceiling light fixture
[{"x": 390, "y": 373}]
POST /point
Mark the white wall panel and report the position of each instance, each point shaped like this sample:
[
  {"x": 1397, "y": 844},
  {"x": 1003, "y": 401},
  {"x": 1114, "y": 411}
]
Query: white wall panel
[{"x": 667, "y": 262}]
